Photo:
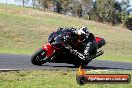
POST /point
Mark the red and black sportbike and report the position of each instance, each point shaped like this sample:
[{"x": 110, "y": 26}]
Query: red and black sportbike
[{"x": 55, "y": 52}]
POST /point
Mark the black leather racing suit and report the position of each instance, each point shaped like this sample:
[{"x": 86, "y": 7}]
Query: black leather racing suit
[{"x": 82, "y": 50}]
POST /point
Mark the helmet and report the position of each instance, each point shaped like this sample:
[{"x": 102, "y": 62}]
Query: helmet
[
  {"x": 83, "y": 30},
  {"x": 82, "y": 34}
]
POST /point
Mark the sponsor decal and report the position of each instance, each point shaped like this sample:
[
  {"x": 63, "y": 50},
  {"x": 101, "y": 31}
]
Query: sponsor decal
[{"x": 83, "y": 78}]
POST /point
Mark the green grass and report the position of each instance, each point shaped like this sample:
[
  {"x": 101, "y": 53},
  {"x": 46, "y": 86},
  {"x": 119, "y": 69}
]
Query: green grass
[
  {"x": 116, "y": 58},
  {"x": 52, "y": 79},
  {"x": 22, "y": 30},
  {"x": 130, "y": 16}
]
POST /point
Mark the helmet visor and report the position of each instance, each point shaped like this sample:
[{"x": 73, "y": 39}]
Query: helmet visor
[{"x": 81, "y": 38}]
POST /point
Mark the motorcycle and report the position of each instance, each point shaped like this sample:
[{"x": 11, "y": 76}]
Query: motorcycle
[{"x": 55, "y": 52}]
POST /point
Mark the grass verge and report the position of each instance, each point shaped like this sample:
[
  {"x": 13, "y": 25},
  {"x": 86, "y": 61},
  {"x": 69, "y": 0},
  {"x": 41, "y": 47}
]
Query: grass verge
[
  {"x": 115, "y": 58},
  {"x": 52, "y": 79}
]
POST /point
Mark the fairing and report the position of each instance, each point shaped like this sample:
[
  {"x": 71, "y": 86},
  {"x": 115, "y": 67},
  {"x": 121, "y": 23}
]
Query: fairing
[{"x": 49, "y": 49}]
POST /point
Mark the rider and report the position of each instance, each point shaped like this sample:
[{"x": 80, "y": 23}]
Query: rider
[{"x": 80, "y": 42}]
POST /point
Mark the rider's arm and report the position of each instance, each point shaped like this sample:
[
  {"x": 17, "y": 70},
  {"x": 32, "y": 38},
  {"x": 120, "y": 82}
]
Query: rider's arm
[
  {"x": 90, "y": 44},
  {"x": 74, "y": 52}
]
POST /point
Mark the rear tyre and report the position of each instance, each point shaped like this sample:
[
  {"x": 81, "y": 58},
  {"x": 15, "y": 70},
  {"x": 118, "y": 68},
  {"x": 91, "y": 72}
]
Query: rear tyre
[
  {"x": 83, "y": 64},
  {"x": 78, "y": 64},
  {"x": 38, "y": 56}
]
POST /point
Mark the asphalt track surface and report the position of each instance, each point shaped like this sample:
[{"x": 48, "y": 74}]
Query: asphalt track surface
[{"x": 22, "y": 62}]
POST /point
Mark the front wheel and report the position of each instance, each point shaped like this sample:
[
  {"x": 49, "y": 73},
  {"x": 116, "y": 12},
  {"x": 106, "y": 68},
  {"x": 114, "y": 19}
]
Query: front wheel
[{"x": 38, "y": 56}]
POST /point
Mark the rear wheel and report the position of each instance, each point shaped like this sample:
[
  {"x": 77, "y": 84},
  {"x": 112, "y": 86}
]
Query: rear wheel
[
  {"x": 83, "y": 64},
  {"x": 78, "y": 64},
  {"x": 38, "y": 56}
]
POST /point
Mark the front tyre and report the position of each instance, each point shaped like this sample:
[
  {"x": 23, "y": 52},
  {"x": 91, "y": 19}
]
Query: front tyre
[{"x": 38, "y": 56}]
